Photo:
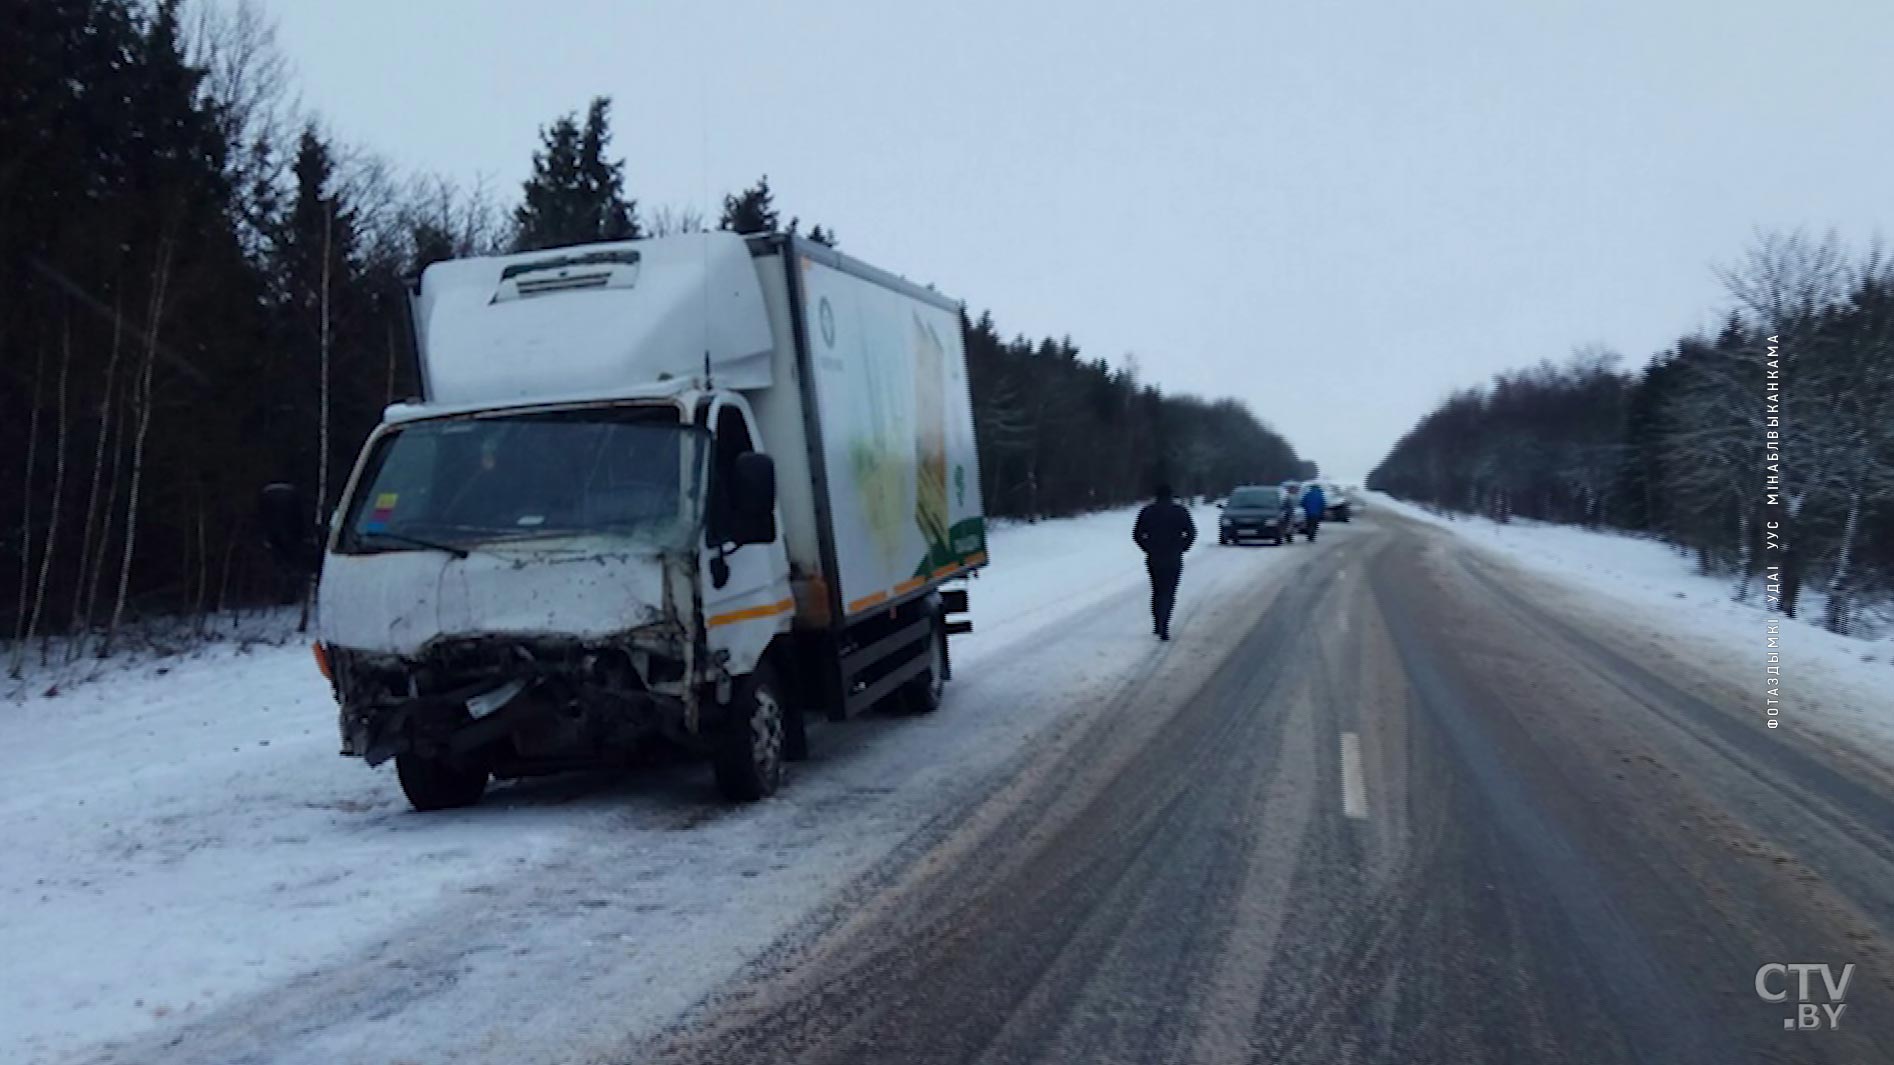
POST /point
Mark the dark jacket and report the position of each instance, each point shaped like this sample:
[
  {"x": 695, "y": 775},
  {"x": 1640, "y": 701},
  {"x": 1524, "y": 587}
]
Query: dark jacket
[
  {"x": 1165, "y": 531},
  {"x": 1313, "y": 501}
]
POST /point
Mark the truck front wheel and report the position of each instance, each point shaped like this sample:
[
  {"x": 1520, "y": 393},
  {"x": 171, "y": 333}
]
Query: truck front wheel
[
  {"x": 436, "y": 784},
  {"x": 748, "y": 756}
]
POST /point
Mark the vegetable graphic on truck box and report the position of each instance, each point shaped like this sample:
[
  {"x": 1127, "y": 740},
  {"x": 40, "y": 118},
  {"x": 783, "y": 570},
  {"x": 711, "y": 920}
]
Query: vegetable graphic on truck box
[{"x": 897, "y": 432}]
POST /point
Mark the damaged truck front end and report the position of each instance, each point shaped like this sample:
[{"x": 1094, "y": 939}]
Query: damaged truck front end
[
  {"x": 521, "y": 703},
  {"x": 513, "y": 593}
]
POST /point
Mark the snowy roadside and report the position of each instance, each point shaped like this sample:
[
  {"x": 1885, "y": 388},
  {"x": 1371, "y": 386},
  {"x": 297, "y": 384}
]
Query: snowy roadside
[
  {"x": 1839, "y": 685},
  {"x": 186, "y": 847}
]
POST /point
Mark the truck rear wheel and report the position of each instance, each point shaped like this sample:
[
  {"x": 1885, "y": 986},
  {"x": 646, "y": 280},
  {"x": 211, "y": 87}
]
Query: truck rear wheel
[
  {"x": 748, "y": 755},
  {"x": 436, "y": 784}
]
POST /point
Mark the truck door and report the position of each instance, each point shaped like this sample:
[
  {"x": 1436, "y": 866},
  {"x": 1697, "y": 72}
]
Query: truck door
[{"x": 747, "y": 598}]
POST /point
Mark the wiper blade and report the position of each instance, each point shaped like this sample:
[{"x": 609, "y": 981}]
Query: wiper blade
[{"x": 457, "y": 552}]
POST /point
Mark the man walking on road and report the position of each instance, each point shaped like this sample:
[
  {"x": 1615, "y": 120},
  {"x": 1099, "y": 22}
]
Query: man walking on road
[
  {"x": 1314, "y": 506},
  {"x": 1165, "y": 531}
]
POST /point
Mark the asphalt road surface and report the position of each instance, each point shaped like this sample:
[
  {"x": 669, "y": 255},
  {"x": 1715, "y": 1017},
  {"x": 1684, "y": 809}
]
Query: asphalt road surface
[{"x": 1427, "y": 811}]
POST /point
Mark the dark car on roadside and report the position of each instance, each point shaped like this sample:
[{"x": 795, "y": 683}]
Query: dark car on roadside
[{"x": 1257, "y": 512}]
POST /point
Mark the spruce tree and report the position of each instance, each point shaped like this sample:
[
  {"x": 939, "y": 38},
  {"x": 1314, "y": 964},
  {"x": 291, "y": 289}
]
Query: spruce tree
[
  {"x": 751, "y": 211},
  {"x": 576, "y": 195}
]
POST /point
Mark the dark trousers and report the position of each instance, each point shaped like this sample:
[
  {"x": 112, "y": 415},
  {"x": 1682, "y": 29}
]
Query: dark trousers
[
  {"x": 1314, "y": 521},
  {"x": 1164, "y": 575}
]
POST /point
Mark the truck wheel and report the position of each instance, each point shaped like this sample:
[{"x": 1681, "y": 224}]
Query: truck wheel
[
  {"x": 922, "y": 695},
  {"x": 748, "y": 756},
  {"x": 437, "y": 784},
  {"x": 795, "y": 734}
]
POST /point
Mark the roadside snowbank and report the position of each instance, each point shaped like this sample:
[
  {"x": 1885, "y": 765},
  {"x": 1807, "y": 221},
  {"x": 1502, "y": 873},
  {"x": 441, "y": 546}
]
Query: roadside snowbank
[{"x": 1840, "y": 685}]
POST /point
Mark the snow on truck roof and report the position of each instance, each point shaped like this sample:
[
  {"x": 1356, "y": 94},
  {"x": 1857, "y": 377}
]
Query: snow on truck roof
[{"x": 594, "y": 320}]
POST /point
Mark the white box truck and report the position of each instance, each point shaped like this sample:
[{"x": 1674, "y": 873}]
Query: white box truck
[{"x": 696, "y": 488}]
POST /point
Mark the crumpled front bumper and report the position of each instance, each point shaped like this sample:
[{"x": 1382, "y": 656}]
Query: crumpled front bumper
[{"x": 466, "y": 694}]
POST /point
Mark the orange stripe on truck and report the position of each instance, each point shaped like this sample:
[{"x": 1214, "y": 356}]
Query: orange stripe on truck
[
  {"x": 867, "y": 601},
  {"x": 768, "y": 610},
  {"x": 909, "y": 585}
]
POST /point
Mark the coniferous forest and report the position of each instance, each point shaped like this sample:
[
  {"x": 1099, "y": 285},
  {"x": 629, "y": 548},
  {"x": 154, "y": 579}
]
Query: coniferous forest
[
  {"x": 1784, "y": 415},
  {"x": 205, "y": 291}
]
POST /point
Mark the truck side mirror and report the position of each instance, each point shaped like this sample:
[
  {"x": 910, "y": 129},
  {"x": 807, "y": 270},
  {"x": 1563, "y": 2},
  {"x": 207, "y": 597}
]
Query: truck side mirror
[
  {"x": 294, "y": 541},
  {"x": 753, "y": 498}
]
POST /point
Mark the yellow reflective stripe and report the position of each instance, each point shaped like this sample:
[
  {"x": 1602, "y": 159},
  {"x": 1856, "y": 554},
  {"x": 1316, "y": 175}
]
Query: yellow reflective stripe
[
  {"x": 978, "y": 558},
  {"x": 768, "y": 610}
]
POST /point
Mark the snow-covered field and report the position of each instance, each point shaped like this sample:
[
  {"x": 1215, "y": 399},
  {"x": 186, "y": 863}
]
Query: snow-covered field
[
  {"x": 1841, "y": 686},
  {"x": 184, "y": 844}
]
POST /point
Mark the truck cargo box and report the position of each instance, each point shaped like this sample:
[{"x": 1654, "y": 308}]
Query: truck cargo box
[{"x": 887, "y": 504}]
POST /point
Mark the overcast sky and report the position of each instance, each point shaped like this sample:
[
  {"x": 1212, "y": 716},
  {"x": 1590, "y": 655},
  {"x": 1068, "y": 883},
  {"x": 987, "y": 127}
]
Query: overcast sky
[{"x": 1335, "y": 212}]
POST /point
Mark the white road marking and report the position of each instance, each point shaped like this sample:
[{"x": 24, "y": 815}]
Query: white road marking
[{"x": 1354, "y": 791}]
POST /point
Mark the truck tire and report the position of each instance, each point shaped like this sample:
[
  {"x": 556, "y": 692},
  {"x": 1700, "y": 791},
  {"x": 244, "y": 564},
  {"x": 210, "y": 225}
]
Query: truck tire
[
  {"x": 922, "y": 695},
  {"x": 748, "y": 751},
  {"x": 436, "y": 784},
  {"x": 795, "y": 734}
]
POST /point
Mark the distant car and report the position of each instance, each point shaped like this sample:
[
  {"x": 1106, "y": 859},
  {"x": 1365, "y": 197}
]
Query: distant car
[
  {"x": 1339, "y": 503},
  {"x": 1258, "y": 512}
]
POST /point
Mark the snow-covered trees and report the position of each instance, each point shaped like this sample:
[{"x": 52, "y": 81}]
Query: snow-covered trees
[
  {"x": 1680, "y": 448},
  {"x": 1546, "y": 442},
  {"x": 1059, "y": 433}
]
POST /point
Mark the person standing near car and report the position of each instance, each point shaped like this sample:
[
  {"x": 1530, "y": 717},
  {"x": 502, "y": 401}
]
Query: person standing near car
[
  {"x": 1314, "y": 505},
  {"x": 1164, "y": 530}
]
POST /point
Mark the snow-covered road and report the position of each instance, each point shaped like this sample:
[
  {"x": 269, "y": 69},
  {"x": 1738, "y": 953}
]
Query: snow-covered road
[
  {"x": 1837, "y": 686},
  {"x": 193, "y": 873}
]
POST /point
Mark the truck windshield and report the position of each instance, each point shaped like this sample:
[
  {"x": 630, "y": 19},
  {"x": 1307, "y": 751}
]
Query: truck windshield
[{"x": 623, "y": 474}]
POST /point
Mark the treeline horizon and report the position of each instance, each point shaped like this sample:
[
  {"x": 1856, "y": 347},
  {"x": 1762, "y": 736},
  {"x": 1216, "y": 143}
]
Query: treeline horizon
[
  {"x": 1681, "y": 448},
  {"x": 206, "y": 293}
]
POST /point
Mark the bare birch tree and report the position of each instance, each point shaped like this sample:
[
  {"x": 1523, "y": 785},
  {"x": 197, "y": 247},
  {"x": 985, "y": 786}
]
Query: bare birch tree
[
  {"x": 26, "y": 518},
  {"x": 88, "y": 562},
  {"x": 142, "y": 408},
  {"x": 59, "y": 484},
  {"x": 1787, "y": 285}
]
